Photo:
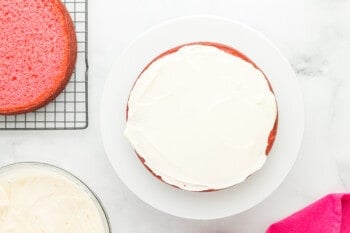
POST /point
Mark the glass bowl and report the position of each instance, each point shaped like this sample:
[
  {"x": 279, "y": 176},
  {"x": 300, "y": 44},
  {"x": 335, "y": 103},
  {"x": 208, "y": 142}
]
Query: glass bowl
[{"x": 27, "y": 166}]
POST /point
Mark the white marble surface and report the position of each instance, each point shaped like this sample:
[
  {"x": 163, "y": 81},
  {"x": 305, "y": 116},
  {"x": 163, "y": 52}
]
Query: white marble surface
[{"x": 315, "y": 37}]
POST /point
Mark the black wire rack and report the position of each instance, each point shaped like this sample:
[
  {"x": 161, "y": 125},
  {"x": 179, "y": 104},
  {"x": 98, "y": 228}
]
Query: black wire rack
[{"x": 69, "y": 110}]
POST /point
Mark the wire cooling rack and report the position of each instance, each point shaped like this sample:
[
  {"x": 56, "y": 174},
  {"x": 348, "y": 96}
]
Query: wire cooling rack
[{"x": 70, "y": 109}]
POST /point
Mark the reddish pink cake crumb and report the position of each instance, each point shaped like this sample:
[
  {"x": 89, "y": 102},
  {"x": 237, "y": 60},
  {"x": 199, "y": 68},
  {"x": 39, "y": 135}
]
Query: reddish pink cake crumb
[{"x": 37, "y": 53}]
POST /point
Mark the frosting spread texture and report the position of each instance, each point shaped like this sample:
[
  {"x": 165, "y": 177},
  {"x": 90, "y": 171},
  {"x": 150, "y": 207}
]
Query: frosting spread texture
[
  {"x": 34, "y": 200},
  {"x": 201, "y": 117}
]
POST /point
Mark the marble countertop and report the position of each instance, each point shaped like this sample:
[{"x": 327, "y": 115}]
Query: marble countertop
[{"x": 315, "y": 37}]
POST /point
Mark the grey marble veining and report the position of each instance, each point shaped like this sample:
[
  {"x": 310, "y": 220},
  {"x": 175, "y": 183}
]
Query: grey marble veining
[{"x": 315, "y": 37}]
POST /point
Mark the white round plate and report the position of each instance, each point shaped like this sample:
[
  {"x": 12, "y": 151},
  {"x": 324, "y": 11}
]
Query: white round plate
[{"x": 197, "y": 205}]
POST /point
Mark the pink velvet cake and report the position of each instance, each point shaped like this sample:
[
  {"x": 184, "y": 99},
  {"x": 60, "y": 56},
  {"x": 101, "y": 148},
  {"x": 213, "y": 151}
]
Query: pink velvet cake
[
  {"x": 202, "y": 117},
  {"x": 37, "y": 53}
]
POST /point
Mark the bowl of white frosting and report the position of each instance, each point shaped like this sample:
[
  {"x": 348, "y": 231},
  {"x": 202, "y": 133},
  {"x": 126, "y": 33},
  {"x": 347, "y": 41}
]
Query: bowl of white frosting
[{"x": 37, "y": 197}]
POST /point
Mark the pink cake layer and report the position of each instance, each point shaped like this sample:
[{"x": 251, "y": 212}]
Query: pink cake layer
[{"x": 37, "y": 53}]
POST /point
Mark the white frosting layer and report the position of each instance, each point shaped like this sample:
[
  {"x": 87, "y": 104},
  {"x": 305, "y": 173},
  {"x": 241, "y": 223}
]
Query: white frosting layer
[
  {"x": 201, "y": 118},
  {"x": 34, "y": 199}
]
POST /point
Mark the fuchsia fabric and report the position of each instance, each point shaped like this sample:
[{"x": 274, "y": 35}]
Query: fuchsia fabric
[{"x": 330, "y": 214}]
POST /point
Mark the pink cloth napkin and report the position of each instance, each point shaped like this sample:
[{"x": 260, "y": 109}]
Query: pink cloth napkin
[{"x": 330, "y": 214}]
